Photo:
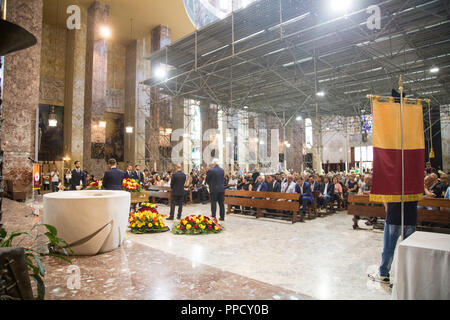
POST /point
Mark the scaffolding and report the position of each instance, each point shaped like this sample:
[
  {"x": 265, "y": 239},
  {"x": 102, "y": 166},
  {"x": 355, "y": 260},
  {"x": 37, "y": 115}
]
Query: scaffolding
[{"x": 273, "y": 56}]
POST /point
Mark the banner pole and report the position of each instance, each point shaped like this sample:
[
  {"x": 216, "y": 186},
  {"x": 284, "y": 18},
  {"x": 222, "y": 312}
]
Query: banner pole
[{"x": 400, "y": 82}]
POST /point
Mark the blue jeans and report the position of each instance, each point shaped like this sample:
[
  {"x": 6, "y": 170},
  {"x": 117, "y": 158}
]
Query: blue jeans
[
  {"x": 391, "y": 234},
  {"x": 326, "y": 199},
  {"x": 55, "y": 186}
]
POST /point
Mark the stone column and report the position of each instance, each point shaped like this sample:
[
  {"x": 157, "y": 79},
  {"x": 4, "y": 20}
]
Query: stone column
[
  {"x": 317, "y": 145},
  {"x": 21, "y": 95},
  {"x": 136, "y": 111},
  {"x": 95, "y": 90},
  {"x": 160, "y": 37},
  {"x": 243, "y": 140},
  {"x": 74, "y": 91},
  {"x": 445, "y": 136},
  {"x": 297, "y": 145},
  {"x": 209, "y": 121}
]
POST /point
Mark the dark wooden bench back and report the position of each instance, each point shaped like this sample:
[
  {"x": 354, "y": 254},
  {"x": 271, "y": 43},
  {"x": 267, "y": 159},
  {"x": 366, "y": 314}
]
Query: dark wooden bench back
[
  {"x": 264, "y": 200},
  {"x": 440, "y": 212},
  {"x": 159, "y": 192}
]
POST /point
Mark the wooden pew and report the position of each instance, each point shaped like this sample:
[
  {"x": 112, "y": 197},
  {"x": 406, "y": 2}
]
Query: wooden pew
[
  {"x": 159, "y": 192},
  {"x": 362, "y": 206},
  {"x": 263, "y": 200}
]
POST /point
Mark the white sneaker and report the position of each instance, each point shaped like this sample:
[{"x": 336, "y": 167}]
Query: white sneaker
[{"x": 376, "y": 277}]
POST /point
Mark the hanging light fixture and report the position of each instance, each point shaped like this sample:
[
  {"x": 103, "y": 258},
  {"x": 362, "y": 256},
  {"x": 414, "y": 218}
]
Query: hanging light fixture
[
  {"x": 52, "y": 119},
  {"x": 102, "y": 124}
]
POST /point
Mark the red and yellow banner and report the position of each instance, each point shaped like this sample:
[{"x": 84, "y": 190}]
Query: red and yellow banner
[
  {"x": 36, "y": 176},
  {"x": 387, "y": 150}
]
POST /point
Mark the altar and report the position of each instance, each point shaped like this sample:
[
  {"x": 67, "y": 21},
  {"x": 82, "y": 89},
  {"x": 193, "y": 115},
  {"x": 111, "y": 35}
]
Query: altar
[{"x": 92, "y": 222}]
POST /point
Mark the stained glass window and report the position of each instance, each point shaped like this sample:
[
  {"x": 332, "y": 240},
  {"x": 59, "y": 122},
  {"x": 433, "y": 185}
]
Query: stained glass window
[{"x": 366, "y": 124}]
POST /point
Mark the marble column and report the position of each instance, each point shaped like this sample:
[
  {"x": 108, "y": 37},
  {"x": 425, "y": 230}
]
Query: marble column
[
  {"x": 21, "y": 95},
  {"x": 74, "y": 91},
  {"x": 136, "y": 111},
  {"x": 209, "y": 116},
  {"x": 243, "y": 139},
  {"x": 445, "y": 137},
  {"x": 160, "y": 38},
  {"x": 297, "y": 144},
  {"x": 317, "y": 145},
  {"x": 95, "y": 90}
]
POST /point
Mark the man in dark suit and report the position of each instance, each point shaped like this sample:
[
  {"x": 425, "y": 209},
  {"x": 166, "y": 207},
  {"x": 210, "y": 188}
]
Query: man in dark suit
[
  {"x": 177, "y": 194},
  {"x": 78, "y": 176},
  {"x": 215, "y": 180},
  {"x": 261, "y": 185},
  {"x": 129, "y": 174},
  {"x": 276, "y": 185},
  {"x": 306, "y": 197},
  {"x": 113, "y": 178},
  {"x": 327, "y": 192},
  {"x": 138, "y": 175}
]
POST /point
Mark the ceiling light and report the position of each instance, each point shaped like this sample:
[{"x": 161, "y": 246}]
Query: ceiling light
[
  {"x": 105, "y": 32},
  {"x": 102, "y": 124},
  {"x": 245, "y": 107},
  {"x": 434, "y": 70},
  {"x": 320, "y": 93},
  {"x": 160, "y": 72},
  {"x": 129, "y": 129},
  {"x": 299, "y": 118},
  {"x": 340, "y": 5}
]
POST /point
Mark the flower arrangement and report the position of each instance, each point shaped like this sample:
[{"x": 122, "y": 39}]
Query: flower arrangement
[
  {"x": 95, "y": 185},
  {"x": 198, "y": 224},
  {"x": 131, "y": 185},
  {"x": 147, "y": 220}
]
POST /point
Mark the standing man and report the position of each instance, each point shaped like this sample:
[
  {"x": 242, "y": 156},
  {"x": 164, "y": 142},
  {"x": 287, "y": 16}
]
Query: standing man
[
  {"x": 138, "y": 175},
  {"x": 177, "y": 194},
  {"x": 392, "y": 231},
  {"x": 78, "y": 176},
  {"x": 129, "y": 174},
  {"x": 215, "y": 180},
  {"x": 113, "y": 178}
]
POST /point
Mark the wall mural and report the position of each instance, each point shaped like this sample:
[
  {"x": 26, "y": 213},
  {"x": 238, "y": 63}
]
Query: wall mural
[
  {"x": 51, "y": 139},
  {"x": 115, "y": 138}
]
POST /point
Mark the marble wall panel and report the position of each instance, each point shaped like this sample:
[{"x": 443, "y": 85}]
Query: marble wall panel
[{"x": 21, "y": 95}]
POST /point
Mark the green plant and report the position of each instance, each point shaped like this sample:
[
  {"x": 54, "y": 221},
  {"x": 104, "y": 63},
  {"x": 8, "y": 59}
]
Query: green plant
[{"x": 33, "y": 255}]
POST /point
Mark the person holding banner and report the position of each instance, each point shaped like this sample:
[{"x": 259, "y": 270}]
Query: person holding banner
[{"x": 399, "y": 153}]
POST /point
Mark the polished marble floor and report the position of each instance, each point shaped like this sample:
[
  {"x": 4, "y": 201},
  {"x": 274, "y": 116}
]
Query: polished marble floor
[{"x": 322, "y": 258}]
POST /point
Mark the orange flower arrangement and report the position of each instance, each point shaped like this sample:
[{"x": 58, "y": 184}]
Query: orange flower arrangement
[
  {"x": 95, "y": 185},
  {"x": 131, "y": 185},
  {"x": 147, "y": 220},
  {"x": 198, "y": 224}
]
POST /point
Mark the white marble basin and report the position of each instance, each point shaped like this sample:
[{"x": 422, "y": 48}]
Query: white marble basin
[{"x": 92, "y": 221}]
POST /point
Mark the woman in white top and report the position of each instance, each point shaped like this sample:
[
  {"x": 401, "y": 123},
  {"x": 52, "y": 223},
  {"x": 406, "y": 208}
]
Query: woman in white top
[{"x": 54, "y": 176}]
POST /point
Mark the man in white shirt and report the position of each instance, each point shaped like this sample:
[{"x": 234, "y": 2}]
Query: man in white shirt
[{"x": 289, "y": 185}]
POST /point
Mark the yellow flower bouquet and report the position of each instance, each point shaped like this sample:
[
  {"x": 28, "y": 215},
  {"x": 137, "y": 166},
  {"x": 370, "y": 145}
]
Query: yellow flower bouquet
[
  {"x": 131, "y": 185},
  {"x": 147, "y": 220},
  {"x": 198, "y": 224}
]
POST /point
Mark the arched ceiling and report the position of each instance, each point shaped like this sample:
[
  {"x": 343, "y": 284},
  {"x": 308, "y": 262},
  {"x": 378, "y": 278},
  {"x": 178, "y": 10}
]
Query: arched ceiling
[{"x": 146, "y": 15}]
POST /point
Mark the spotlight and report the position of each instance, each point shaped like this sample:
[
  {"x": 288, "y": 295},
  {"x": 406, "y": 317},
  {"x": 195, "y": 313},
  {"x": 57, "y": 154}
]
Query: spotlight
[
  {"x": 129, "y": 129},
  {"x": 434, "y": 70},
  {"x": 320, "y": 94},
  {"x": 299, "y": 118},
  {"x": 340, "y": 5},
  {"x": 102, "y": 124},
  {"x": 245, "y": 107},
  {"x": 105, "y": 32}
]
